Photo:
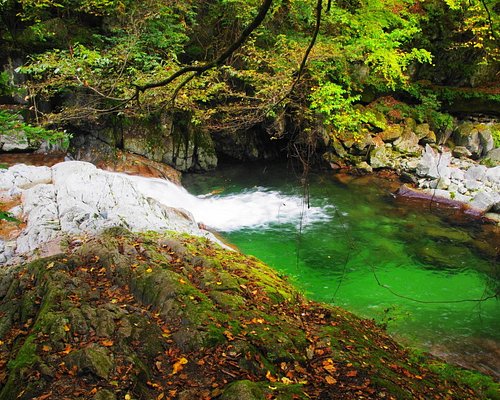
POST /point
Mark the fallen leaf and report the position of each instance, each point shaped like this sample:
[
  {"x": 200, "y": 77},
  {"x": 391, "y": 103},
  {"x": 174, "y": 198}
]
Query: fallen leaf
[
  {"x": 66, "y": 328},
  {"x": 179, "y": 364},
  {"x": 149, "y": 270},
  {"x": 50, "y": 265},
  {"x": 330, "y": 380},
  {"x": 107, "y": 343},
  {"x": 46, "y": 347},
  {"x": 286, "y": 381},
  {"x": 269, "y": 377},
  {"x": 352, "y": 373}
]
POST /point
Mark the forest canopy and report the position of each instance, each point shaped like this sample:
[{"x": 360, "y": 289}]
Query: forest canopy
[{"x": 103, "y": 50}]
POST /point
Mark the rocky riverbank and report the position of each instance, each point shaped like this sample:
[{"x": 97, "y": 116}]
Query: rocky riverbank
[
  {"x": 166, "y": 316},
  {"x": 74, "y": 198},
  {"x": 444, "y": 177}
]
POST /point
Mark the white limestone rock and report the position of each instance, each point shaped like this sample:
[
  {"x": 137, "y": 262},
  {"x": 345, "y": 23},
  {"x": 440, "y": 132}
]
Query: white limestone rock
[
  {"x": 485, "y": 201},
  {"x": 476, "y": 173},
  {"x": 434, "y": 165},
  {"x": 75, "y": 197}
]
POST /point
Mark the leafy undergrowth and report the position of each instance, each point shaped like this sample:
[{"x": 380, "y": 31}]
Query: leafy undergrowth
[{"x": 126, "y": 316}]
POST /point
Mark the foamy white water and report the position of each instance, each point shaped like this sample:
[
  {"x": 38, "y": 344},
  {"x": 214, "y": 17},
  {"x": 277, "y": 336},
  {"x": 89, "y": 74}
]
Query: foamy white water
[{"x": 253, "y": 208}]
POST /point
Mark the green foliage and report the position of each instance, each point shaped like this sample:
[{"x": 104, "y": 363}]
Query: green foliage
[
  {"x": 7, "y": 216},
  {"x": 11, "y": 124},
  {"x": 5, "y": 86},
  {"x": 495, "y": 132},
  {"x": 333, "y": 101},
  {"x": 101, "y": 48}
]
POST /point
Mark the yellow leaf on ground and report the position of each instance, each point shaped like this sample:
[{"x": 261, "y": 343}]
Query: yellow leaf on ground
[
  {"x": 149, "y": 270},
  {"x": 330, "y": 380},
  {"x": 66, "y": 328},
  {"x": 107, "y": 343},
  {"x": 179, "y": 365},
  {"x": 46, "y": 347},
  {"x": 269, "y": 377}
]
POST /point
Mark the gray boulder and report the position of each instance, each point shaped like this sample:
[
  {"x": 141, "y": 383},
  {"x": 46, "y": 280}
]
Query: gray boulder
[
  {"x": 407, "y": 142},
  {"x": 476, "y": 173},
  {"x": 485, "y": 201},
  {"x": 381, "y": 157},
  {"x": 493, "y": 157},
  {"x": 486, "y": 139},
  {"x": 467, "y": 135},
  {"x": 461, "y": 152}
]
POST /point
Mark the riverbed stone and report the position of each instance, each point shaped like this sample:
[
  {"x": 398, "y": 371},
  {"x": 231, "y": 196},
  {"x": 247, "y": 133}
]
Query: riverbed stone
[
  {"x": 467, "y": 135},
  {"x": 15, "y": 141},
  {"x": 472, "y": 184},
  {"x": 381, "y": 157},
  {"x": 477, "y": 172},
  {"x": 407, "y": 142},
  {"x": 493, "y": 175},
  {"x": 433, "y": 164},
  {"x": 493, "y": 157},
  {"x": 364, "y": 167},
  {"x": 461, "y": 152},
  {"x": 24, "y": 176},
  {"x": 485, "y": 201},
  {"x": 487, "y": 142},
  {"x": 425, "y": 134},
  {"x": 391, "y": 133},
  {"x": 457, "y": 173}
]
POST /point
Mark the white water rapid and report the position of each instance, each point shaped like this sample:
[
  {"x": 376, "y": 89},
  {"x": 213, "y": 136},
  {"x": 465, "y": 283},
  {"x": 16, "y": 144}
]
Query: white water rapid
[{"x": 252, "y": 208}]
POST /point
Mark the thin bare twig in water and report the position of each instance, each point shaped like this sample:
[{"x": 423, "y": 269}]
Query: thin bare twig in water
[{"x": 430, "y": 301}]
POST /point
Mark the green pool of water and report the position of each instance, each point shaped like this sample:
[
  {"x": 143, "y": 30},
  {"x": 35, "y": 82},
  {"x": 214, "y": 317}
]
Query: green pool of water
[{"x": 410, "y": 269}]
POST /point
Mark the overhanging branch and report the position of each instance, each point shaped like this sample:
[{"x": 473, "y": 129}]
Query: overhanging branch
[{"x": 200, "y": 69}]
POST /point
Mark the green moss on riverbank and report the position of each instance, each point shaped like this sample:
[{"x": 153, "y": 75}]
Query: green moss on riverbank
[{"x": 166, "y": 316}]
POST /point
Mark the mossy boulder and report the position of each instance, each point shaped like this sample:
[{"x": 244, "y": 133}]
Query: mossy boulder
[{"x": 94, "y": 359}]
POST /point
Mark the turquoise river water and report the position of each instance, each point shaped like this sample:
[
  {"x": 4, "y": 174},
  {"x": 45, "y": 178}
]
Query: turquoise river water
[{"x": 353, "y": 244}]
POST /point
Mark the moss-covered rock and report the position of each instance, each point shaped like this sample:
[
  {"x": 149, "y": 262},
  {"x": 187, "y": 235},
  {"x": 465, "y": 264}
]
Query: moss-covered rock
[{"x": 173, "y": 316}]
